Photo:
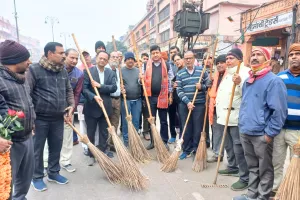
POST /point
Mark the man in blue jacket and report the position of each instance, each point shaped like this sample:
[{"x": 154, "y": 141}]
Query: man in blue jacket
[{"x": 262, "y": 115}]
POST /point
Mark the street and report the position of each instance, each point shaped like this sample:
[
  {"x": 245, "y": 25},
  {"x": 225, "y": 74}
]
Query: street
[{"x": 90, "y": 183}]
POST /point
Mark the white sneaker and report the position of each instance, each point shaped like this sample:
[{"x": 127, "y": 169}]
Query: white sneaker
[
  {"x": 69, "y": 168},
  {"x": 91, "y": 161}
]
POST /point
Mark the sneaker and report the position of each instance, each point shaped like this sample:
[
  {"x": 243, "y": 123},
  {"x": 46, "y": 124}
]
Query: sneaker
[
  {"x": 185, "y": 155},
  {"x": 91, "y": 161},
  {"x": 226, "y": 172},
  {"x": 85, "y": 152},
  {"x": 172, "y": 140},
  {"x": 39, "y": 185},
  {"x": 109, "y": 154},
  {"x": 214, "y": 159},
  {"x": 242, "y": 197},
  {"x": 57, "y": 178},
  {"x": 69, "y": 168},
  {"x": 239, "y": 186},
  {"x": 45, "y": 172}
]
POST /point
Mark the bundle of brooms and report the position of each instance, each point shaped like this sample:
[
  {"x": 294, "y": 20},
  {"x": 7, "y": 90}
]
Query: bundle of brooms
[
  {"x": 136, "y": 146},
  {"x": 171, "y": 164},
  {"x": 112, "y": 170},
  {"x": 161, "y": 150},
  {"x": 132, "y": 177},
  {"x": 200, "y": 161},
  {"x": 290, "y": 186}
]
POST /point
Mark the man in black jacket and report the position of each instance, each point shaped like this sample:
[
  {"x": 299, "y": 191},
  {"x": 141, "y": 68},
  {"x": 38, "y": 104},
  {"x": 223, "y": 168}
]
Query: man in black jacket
[
  {"x": 52, "y": 96},
  {"x": 104, "y": 79},
  {"x": 15, "y": 95}
]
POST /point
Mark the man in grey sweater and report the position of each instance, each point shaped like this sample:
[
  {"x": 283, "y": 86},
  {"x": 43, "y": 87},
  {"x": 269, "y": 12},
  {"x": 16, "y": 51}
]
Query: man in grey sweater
[{"x": 132, "y": 90}]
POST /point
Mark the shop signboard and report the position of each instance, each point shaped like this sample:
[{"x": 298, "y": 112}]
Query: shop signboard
[{"x": 280, "y": 20}]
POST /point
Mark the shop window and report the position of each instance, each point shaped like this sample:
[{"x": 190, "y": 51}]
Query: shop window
[
  {"x": 165, "y": 13},
  {"x": 165, "y": 36}
]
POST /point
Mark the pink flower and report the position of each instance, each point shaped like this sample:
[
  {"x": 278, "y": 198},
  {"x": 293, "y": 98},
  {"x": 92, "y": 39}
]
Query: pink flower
[
  {"x": 20, "y": 114},
  {"x": 11, "y": 112}
]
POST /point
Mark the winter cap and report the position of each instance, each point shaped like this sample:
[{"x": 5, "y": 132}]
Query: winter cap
[
  {"x": 264, "y": 51},
  {"x": 221, "y": 58},
  {"x": 236, "y": 53},
  {"x": 99, "y": 44},
  {"x": 12, "y": 53},
  {"x": 294, "y": 47},
  {"x": 129, "y": 55}
]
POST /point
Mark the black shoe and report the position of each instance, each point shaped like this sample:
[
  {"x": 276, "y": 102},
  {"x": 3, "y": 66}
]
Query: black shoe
[
  {"x": 112, "y": 148},
  {"x": 150, "y": 146},
  {"x": 272, "y": 194}
]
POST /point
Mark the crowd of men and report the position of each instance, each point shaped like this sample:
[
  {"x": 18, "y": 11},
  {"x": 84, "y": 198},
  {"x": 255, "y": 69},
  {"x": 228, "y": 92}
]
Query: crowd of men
[{"x": 264, "y": 119}]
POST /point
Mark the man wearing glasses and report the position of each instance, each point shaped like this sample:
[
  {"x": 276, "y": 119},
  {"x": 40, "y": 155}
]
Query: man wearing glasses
[{"x": 104, "y": 79}]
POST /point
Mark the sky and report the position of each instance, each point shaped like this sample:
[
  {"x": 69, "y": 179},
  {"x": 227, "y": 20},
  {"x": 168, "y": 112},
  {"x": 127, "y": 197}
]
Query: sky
[{"x": 89, "y": 20}]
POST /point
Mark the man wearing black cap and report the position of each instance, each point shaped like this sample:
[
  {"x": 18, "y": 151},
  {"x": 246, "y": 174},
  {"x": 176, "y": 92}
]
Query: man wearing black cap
[
  {"x": 132, "y": 89},
  {"x": 217, "y": 129},
  {"x": 237, "y": 165},
  {"x": 99, "y": 46},
  {"x": 15, "y": 95},
  {"x": 53, "y": 98}
]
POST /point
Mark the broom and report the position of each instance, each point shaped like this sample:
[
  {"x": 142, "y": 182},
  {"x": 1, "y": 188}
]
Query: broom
[
  {"x": 161, "y": 150},
  {"x": 171, "y": 164},
  {"x": 112, "y": 171},
  {"x": 136, "y": 147},
  {"x": 290, "y": 186},
  {"x": 223, "y": 139},
  {"x": 133, "y": 178},
  {"x": 200, "y": 161}
]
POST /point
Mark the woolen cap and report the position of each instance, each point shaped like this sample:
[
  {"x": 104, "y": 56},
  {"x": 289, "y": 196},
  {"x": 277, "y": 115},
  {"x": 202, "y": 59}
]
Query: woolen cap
[
  {"x": 221, "y": 58},
  {"x": 99, "y": 44},
  {"x": 129, "y": 55},
  {"x": 12, "y": 53},
  {"x": 264, "y": 51},
  {"x": 236, "y": 53}
]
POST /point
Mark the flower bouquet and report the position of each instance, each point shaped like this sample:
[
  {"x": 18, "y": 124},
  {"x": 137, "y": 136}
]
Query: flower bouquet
[{"x": 8, "y": 126}]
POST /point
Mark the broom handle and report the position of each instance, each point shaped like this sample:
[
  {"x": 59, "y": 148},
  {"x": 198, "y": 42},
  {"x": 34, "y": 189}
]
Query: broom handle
[
  {"x": 91, "y": 78},
  {"x": 75, "y": 129},
  {"x": 141, "y": 72},
  {"x": 121, "y": 78},
  {"x": 226, "y": 125},
  {"x": 207, "y": 96}
]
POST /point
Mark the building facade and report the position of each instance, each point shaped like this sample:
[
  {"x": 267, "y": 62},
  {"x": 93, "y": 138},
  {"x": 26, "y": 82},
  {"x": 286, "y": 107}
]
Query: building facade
[
  {"x": 156, "y": 27},
  {"x": 8, "y": 32}
]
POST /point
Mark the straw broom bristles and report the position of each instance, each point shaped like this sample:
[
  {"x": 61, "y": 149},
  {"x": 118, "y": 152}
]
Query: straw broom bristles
[
  {"x": 171, "y": 164},
  {"x": 136, "y": 146},
  {"x": 290, "y": 186},
  {"x": 161, "y": 150},
  {"x": 200, "y": 162},
  {"x": 112, "y": 170},
  {"x": 133, "y": 178}
]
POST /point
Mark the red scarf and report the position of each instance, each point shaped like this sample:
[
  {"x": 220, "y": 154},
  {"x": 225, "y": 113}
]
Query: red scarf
[
  {"x": 258, "y": 71},
  {"x": 163, "y": 96}
]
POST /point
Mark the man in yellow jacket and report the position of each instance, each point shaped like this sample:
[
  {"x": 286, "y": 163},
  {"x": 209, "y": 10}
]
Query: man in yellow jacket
[{"x": 237, "y": 165}]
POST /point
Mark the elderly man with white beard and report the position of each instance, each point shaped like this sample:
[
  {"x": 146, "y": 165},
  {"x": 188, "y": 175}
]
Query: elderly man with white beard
[{"x": 114, "y": 62}]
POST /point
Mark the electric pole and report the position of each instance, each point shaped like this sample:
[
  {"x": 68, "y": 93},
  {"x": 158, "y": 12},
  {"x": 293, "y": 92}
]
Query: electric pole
[
  {"x": 52, "y": 21},
  {"x": 16, "y": 18}
]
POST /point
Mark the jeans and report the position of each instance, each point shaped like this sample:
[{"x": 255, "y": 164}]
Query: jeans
[
  {"x": 52, "y": 131},
  {"x": 217, "y": 136},
  {"x": 134, "y": 109},
  {"x": 173, "y": 118},
  {"x": 163, "y": 118}
]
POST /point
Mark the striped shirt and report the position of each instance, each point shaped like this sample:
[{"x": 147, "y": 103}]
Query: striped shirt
[
  {"x": 186, "y": 85},
  {"x": 293, "y": 91}
]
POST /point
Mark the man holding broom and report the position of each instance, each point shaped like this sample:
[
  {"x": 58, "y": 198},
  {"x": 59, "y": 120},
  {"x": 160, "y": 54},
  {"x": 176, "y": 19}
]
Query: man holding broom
[
  {"x": 158, "y": 76},
  {"x": 132, "y": 89},
  {"x": 187, "y": 82},
  {"x": 53, "y": 98},
  {"x": 15, "y": 95},
  {"x": 290, "y": 133},
  {"x": 262, "y": 115},
  {"x": 105, "y": 80},
  {"x": 237, "y": 165}
]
